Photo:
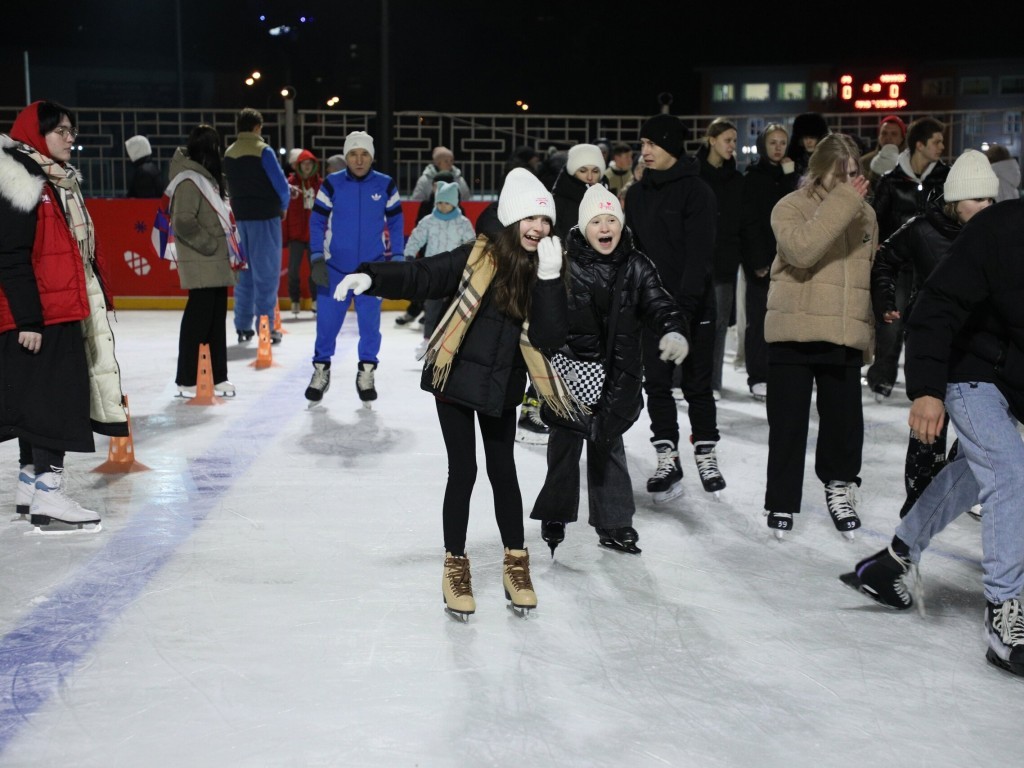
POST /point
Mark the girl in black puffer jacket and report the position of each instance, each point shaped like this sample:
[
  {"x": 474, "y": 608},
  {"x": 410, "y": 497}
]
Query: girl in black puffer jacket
[{"x": 608, "y": 278}]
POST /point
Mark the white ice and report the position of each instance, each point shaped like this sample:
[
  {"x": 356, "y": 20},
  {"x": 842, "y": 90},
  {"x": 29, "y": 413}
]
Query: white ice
[{"x": 269, "y": 594}]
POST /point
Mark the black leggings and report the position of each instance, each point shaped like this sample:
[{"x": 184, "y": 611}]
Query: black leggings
[
  {"x": 499, "y": 433},
  {"x": 41, "y": 459}
]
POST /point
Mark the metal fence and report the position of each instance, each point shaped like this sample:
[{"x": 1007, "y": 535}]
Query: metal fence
[{"x": 482, "y": 143}]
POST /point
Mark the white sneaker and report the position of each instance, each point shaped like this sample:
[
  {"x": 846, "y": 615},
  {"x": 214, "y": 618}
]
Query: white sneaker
[
  {"x": 50, "y": 503},
  {"x": 224, "y": 389},
  {"x": 186, "y": 391}
]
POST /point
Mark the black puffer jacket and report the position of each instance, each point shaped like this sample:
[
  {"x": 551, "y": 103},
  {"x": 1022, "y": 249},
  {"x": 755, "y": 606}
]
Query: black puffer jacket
[
  {"x": 727, "y": 184},
  {"x": 568, "y": 192},
  {"x": 968, "y": 320},
  {"x": 488, "y": 373},
  {"x": 644, "y": 301},
  {"x": 899, "y": 196},
  {"x": 920, "y": 244},
  {"x": 763, "y": 186},
  {"x": 672, "y": 215}
]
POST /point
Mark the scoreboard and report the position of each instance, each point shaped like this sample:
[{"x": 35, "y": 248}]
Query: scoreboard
[{"x": 884, "y": 93}]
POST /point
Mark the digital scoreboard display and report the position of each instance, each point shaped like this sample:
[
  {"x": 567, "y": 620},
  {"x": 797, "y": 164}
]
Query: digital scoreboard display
[{"x": 884, "y": 93}]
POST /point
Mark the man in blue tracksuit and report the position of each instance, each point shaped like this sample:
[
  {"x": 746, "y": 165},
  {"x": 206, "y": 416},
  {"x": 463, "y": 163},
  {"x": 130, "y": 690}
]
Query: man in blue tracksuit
[
  {"x": 259, "y": 200},
  {"x": 347, "y": 227}
]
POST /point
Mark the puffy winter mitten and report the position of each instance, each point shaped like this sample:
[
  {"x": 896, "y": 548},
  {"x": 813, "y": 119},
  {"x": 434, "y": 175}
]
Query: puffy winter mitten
[
  {"x": 318, "y": 270},
  {"x": 886, "y": 159},
  {"x": 357, "y": 283},
  {"x": 674, "y": 347},
  {"x": 549, "y": 258}
]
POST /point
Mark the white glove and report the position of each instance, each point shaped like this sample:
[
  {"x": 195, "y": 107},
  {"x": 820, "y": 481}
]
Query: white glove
[
  {"x": 674, "y": 347},
  {"x": 885, "y": 160},
  {"x": 549, "y": 258},
  {"x": 356, "y": 282}
]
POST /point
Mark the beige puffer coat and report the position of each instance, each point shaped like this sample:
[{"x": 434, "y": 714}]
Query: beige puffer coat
[
  {"x": 821, "y": 277},
  {"x": 199, "y": 238}
]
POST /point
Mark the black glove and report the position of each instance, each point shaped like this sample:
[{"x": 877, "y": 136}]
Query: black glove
[{"x": 318, "y": 272}]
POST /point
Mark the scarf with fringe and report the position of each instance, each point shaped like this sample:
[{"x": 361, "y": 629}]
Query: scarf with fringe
[
  {"x": 447, "y": 337},
  {"x": 65, "y": 178}
]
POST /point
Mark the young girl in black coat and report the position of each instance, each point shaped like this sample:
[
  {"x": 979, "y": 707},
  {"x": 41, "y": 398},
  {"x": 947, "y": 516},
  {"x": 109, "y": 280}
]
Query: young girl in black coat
[
  {"x": 510, "y": 302},
  {"x": 608, "y": 278}
]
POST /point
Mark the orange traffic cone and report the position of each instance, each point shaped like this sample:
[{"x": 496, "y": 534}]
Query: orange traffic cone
[
  {"x": 277, "y": 319},
  {"x": 264, "y": 359},
  {"x": 204, "y": 381},
  {"x": 121, "y": 456}
]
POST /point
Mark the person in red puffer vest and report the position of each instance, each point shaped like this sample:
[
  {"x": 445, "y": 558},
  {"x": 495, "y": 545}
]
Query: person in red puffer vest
[
  {"x": 59, "y": 379},
  {"x": 303, "y": 184}
]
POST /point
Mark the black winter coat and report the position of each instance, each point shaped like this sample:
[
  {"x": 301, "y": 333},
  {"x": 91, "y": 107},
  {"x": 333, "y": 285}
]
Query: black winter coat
[
  {"x": 727, "y": 184},
  {"x": 899, "y": 196},
  {"x": 764, "y": 184},
  {"x": 488, "y": 373},
  {"x": 568, "y": 192},
  {"x": 968, "y": 320},
  {"x": 146, "y": 179},
  {"x": 920, "y": 244},
  {"x": 643, "y": 302},
  {"x": 672, "y": 215}
]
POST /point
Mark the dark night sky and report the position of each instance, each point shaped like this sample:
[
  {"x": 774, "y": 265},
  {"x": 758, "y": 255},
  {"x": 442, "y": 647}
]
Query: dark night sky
[{"x": 562, "y": 57}]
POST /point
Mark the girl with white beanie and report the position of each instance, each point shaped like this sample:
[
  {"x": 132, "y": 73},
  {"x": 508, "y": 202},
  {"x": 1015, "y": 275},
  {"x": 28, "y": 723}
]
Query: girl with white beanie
[
  {"x": 922, "y": 243},
  {"x": 614, "y": 292},
  {"x": 584, "y": 167},
  {"x": 510, "y": 302}
]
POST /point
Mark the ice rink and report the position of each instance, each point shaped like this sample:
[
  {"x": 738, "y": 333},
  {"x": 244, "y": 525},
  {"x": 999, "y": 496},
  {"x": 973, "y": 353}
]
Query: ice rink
[{"x": 268, "y": 594}]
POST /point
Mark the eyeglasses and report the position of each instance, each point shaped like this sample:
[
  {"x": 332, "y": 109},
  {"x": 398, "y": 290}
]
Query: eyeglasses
[{"x": 66, "y": 133}]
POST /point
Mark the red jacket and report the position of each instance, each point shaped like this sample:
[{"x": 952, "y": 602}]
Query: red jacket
[
  {"x": 296, "y": 223},
  {"x": 57, "y": 265}
]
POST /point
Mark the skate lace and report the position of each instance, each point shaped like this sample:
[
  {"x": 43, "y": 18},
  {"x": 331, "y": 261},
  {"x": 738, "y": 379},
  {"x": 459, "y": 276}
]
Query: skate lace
[
  {"x": 320, "y": 378},
  {"x": 666, "y": 463},
  {"x": 1009, "y": 622},
  {"x": 841, "y": 500},
  {"x": 533, "y": 414},
  {"x": 364, "y": 379},
  {"x": 457, "y": 572},
  {"x": 707, "y": 465},
  {"x": 518, "y": 571}
]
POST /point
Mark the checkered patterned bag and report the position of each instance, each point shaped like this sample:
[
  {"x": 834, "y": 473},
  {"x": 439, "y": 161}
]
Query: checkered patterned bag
[{"x": 584, "y": 380}]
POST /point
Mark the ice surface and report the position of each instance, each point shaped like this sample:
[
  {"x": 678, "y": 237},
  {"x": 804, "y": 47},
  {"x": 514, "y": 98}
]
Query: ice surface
[{"x": 268, "y": 594}]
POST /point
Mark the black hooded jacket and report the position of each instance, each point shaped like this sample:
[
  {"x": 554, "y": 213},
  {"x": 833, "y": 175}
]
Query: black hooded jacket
[
  {"x": 568, "y": 192},
  {"x": 672, "y": 215},
  {"x": 643, "y": 302},
  {"x": 764, "y": 184},
  {"x": 727, "y": 184}
]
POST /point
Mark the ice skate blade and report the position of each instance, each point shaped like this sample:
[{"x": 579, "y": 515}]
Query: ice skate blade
[
  {"x": 367, "y": 405},
  {"x": 460, "y": 616},
  {"x": 852, "y": 580},
  {"x": 311, "y": 404},
  {"x": 779, "y": 534},
  {"x": 661, "y": 497},
  {"x": 631, "y": 549},
  {"x": 848, "y": 535},
  {"x": 522, "y": 611},
  {"x": 531, "y": 438},
  {"x": 79, "y": 529}
]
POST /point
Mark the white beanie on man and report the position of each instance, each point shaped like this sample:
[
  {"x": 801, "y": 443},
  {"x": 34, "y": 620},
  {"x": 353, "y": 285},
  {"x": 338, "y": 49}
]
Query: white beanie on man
[
  {"x": 598, "y": 200},
  {"x": 582, "y": 155},
  {"x": 523, "y": 196},
  {"x": 358, "y": 140},
  {"x": 971, "y": 178}
]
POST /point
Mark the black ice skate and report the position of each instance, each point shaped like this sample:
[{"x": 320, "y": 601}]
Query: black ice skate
[
  {"x": 532, "y": 430},
  {"x": 319, "y": 384},
  {"x": 364, "y": 383},
  {"x": 244, "y": 337},
  {"x": 707, "y": 467},
  {"x": 779, "y": 522},
  {"x": 839, "y": 496},
  {"x": 665, "y": 484},
  {"x": 553, "y": 532},
  {"x": 619, "y": 539},
  {"x": 1004, "y": 627},
  {"x": 880, "y": 577}
]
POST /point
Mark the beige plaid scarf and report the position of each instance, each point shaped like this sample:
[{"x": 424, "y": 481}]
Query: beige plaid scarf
[
  {"x": 65, "y": 178},
  {"x": 444, "y": 343}
]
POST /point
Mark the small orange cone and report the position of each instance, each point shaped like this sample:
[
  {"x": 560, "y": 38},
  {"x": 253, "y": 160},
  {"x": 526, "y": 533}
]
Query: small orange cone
[
  {"x": 121, "y": 456},
  {"x": 204, "y": 381},
  {"x": 264, "y": 359},
  {"x": 277, "y": 320}
]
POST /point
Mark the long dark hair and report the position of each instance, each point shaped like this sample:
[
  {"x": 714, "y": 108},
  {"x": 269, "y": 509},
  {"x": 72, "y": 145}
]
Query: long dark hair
[
  {"x": 514, "y": 272},
  {"x": 204, "y": 147}
]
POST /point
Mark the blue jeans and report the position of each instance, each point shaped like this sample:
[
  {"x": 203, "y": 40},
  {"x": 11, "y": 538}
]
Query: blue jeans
[
  {"x": 256, "y": 291},
  {"x": 987, "y": 470}
]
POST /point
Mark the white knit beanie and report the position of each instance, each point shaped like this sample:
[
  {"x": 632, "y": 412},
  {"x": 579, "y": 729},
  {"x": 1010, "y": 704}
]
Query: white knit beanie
[
  {"x": 523, "y": 196},
  {"x": 971, "y": 178},
  {"x": 596, "y": 201},
  {"x": 137, "y": 148},
  {"x": 582, "y": 155},
  {"x": 358, "y": 140}
]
